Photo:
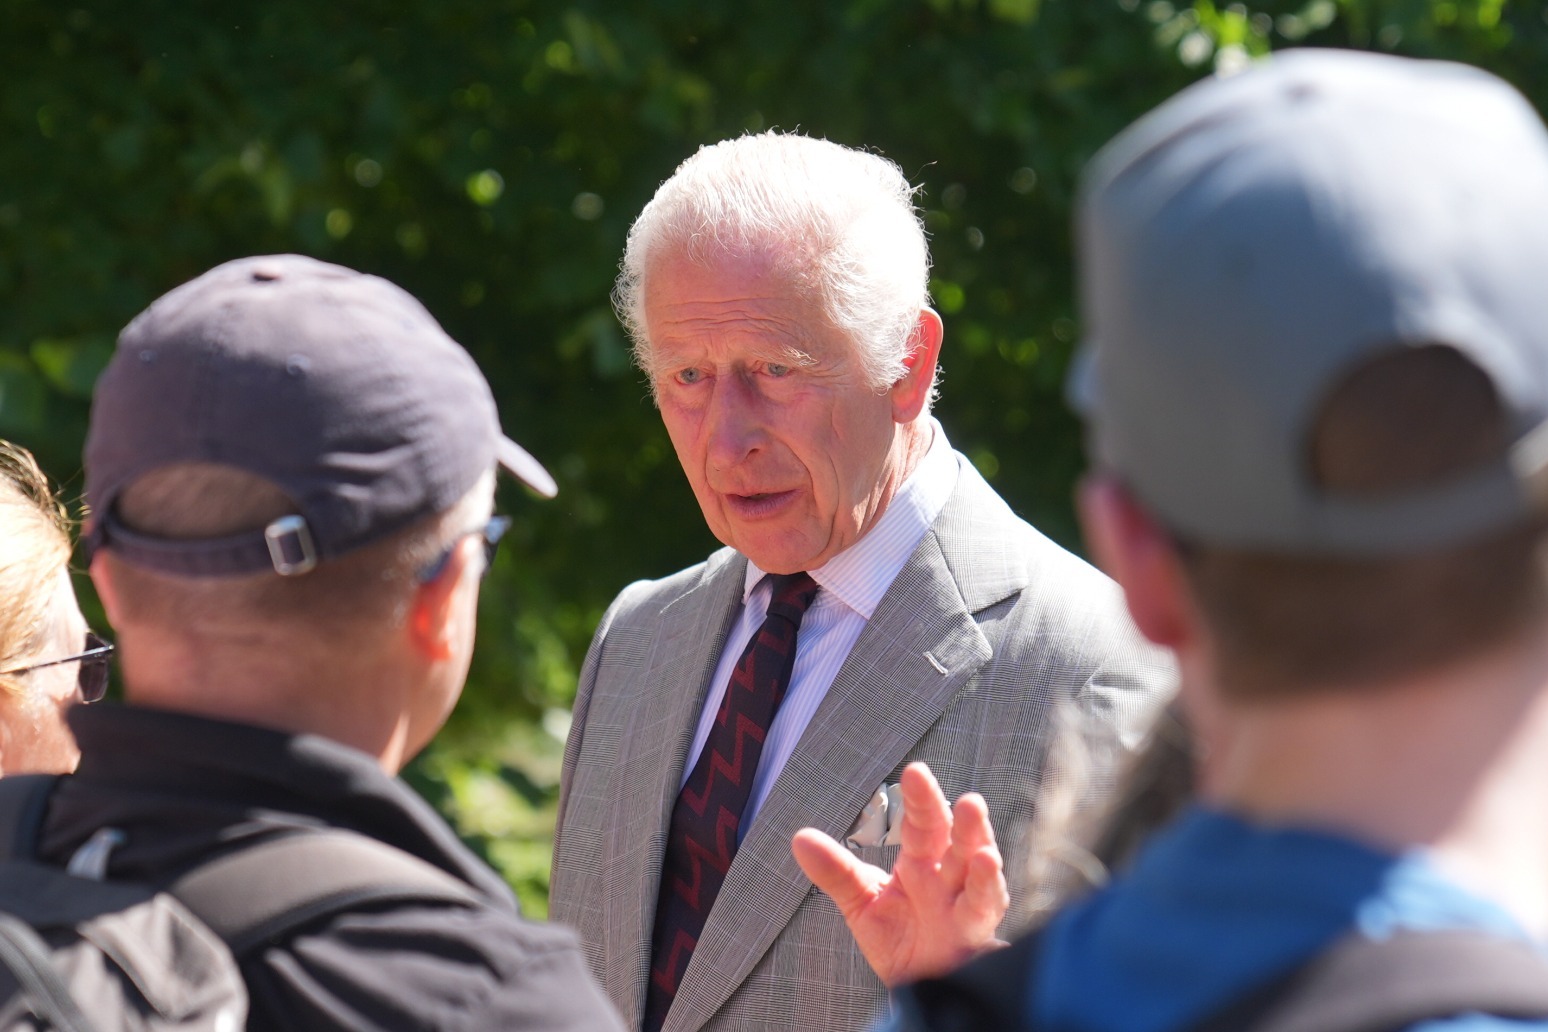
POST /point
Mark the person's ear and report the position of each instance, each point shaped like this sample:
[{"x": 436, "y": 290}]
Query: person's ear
[
  {"x": 911, "y": 392},
  {"x": 1137, "y": 552},
  {"x": 432, "y": 618}
]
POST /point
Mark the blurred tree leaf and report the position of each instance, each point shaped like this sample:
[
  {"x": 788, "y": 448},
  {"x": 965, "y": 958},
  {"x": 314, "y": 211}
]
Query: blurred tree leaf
[{"x": 71, "y": 366}]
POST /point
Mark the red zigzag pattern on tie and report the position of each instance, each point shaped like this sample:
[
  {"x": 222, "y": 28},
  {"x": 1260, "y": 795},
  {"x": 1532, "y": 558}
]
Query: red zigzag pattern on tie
[
  {"x": 718, "y": 859},
  {"x": 699, "y": 850},
  {"x": 665, "y": 975},
  {"x": 727, "y": 767}
]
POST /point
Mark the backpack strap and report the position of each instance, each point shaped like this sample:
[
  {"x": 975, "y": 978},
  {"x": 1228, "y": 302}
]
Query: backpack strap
[
  {"x": 989, "y": 992},
  {"x": 23, "y": 803},
  {"x": 1360, "y": 984},
  {"x": 260, "y": 894},
  {"x": 31, "y": 962}
]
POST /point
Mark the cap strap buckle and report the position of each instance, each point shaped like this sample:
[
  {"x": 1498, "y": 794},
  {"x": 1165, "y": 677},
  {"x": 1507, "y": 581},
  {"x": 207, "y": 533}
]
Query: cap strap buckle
[{"x": 290, "y": 546}]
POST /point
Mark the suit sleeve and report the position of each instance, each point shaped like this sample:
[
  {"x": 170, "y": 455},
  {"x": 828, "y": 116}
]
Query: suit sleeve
[
  {"x": 583, "y": 692},
  {"x": 1121, "y": 699}
]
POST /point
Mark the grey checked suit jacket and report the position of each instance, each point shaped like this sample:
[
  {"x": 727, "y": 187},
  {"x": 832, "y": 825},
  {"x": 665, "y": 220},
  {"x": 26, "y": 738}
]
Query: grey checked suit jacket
[{"x": 988, "y": 624}]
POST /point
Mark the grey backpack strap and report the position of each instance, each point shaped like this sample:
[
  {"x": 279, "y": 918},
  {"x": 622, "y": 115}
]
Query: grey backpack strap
[
  {"x": 23, "y": 802},
  {"x": 31, "y": 962},
  {"x": 1366, "y": 985},
  {"x": 260, "y": 894}
]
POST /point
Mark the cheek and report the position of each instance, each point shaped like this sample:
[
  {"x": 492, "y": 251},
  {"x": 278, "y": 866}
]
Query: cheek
[
  {"x": 36, "y": 737},
  {"x": 53, "y": 688},
  {"x": 681, "y": 430},
  {"x": 694, "y": 467},
  {"x": 851, "y": 455}
]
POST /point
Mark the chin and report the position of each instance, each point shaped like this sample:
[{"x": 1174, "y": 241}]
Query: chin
[{"x": 782, "y": 562}]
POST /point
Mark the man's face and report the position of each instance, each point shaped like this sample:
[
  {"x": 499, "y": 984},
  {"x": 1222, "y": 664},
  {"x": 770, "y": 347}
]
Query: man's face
[{"x": 791, "y": 453}]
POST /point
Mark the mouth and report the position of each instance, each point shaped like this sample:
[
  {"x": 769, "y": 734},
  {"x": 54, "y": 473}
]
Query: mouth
[{"x": 758, "y": 505}]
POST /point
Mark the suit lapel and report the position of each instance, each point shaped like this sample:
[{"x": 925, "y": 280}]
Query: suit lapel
[
  {"x": 917, "y": 651},
  {"x": 664, "y": 712}
]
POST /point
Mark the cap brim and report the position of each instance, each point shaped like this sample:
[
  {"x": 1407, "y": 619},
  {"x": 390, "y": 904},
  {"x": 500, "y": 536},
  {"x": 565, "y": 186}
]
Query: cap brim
[{"x": 525, "y": 468}]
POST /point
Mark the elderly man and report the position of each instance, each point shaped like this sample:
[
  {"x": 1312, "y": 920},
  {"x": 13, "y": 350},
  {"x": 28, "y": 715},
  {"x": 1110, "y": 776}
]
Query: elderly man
[
  {"x": 1317, "y": 380},
  {"x": 877, "y": 603},
  {"x": 291, "y": 472}
]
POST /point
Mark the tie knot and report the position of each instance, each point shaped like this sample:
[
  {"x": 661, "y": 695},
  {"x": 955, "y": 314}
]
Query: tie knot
[{"x": 793, "y": 594}]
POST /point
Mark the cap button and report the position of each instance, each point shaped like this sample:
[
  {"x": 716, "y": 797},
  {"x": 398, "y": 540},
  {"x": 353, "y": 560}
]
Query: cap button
[{"x": 266, "y": 273}]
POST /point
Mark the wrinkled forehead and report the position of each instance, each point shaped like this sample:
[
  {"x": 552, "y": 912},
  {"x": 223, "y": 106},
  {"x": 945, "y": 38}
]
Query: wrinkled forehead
[{"x": 748, "y": 299}]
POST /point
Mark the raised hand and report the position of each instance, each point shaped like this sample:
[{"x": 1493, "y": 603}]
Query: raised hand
[{"x": 946, "y": 894}]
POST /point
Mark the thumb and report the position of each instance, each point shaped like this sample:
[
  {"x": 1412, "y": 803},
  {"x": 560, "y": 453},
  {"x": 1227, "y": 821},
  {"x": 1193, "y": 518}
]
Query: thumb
[{"x": 834, "y": 870}]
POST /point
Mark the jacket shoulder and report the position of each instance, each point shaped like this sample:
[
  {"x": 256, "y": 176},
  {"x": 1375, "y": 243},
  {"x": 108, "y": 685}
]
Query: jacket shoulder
[
  {"x": 993, "y": 553},
  {"x": 643, "y": 599}
]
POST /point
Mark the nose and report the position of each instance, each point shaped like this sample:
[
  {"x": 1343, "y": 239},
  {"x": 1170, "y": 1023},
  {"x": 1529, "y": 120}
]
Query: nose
[{"x": 735, "y": 422}]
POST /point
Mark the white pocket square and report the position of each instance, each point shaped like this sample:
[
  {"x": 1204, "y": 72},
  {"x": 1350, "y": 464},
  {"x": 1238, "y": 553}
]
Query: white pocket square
[{"x": 881, "y": 822}]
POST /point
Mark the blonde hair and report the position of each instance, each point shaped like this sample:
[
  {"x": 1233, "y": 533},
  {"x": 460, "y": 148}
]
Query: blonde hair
[{"x": 34, "y": 548}]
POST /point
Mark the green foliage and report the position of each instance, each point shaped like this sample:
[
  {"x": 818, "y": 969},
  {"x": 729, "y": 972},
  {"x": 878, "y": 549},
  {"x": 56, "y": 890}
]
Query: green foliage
[{"x": 489, "y": 155}]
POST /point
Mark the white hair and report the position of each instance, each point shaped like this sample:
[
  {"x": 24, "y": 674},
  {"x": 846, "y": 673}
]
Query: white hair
[{"x": 840, "y": 221}]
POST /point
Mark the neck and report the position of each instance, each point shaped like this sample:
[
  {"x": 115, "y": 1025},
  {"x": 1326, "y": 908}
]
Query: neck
[
  {"x": 909, "y": 446},
  {"x": 352, "y": 701},
  {"x": 1451, "y": 762},
  {"x": 910, "y": 443}
]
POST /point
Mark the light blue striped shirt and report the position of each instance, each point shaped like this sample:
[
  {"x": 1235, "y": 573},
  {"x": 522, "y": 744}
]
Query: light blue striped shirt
[{"x": 853, "y": 583}]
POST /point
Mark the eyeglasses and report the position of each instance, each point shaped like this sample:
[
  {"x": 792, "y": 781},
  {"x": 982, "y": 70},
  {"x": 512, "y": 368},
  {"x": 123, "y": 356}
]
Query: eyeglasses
[
  {"x": 93, "y": 676},
  {"x": 491, "y": 532}
]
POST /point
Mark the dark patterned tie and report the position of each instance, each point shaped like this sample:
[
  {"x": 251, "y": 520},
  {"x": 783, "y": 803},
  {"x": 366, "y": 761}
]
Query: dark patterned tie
[{"x": 708, "y": 815}]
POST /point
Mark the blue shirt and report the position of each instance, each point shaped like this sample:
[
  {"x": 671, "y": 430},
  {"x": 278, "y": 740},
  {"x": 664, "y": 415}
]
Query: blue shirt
[{"x": 1215, "y": 906}]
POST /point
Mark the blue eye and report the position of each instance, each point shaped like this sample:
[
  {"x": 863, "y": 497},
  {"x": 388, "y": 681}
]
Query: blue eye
[
  {"x": 690, "y": 376},
  {"x": 775, "y": 369}
]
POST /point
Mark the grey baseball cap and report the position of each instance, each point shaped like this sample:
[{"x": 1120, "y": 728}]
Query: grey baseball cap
[
  {"x": 1250, "y": 242},
  {"x": 337, "y": 387}
]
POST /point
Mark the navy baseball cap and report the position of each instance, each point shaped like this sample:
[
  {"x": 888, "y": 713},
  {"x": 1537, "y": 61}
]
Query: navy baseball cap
[
  {"x": 1257, "y": 238},
  {"x": 337, "y": 387}
]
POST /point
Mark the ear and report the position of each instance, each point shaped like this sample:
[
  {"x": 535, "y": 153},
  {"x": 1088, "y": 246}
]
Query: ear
[
  {"x": 432, "y": 611},
  {"x": 1139, "y": 554},
  {"x": 911, "y": 392},
  {"x": 102, "y": 579}
]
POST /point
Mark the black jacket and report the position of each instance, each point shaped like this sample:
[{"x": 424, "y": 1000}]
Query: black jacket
[{"x": 186, "y": 789}]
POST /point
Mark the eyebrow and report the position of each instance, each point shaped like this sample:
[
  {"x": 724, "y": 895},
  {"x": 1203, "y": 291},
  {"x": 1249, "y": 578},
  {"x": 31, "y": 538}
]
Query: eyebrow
[{"x": 668, "y": 359}]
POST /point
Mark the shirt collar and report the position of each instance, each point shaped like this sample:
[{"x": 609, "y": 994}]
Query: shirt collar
[{"x": 861, "y": 574}]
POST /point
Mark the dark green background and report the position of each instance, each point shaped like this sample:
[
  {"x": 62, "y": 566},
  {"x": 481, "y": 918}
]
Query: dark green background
[{"x": 489, "y": 154}]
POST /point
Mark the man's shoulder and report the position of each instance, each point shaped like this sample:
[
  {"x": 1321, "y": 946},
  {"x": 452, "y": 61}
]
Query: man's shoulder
[
  {"x": 993, "y": 553},
  {"x": 403, "y": 949},
  {"x": 648, "y": 597},
  {"x": 421, "y": 963},
  {"x": 978, "y": 521}
]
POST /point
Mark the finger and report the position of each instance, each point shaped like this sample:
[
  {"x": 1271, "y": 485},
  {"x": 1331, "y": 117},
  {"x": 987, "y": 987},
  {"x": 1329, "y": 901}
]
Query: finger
[
  {"x": 970, "y": 832},
  {"x": 926, "y": 832},
  {"x": 833, "y": 869},
  {"x": 971, "y": 829},
  {"x": 985, "y": 897}
]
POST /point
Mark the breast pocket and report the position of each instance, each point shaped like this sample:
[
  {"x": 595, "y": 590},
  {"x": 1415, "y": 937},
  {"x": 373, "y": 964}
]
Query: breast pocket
[{"x": 878, "y": 856}]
